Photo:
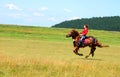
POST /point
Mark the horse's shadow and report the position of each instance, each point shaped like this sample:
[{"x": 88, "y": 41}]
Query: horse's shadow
[
  {"x": 96, "y": 59},
  {"x": 91, "y": 59}
]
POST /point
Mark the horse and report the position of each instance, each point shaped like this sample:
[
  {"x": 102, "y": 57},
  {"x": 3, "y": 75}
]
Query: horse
[{"x": 90, "y": 41}]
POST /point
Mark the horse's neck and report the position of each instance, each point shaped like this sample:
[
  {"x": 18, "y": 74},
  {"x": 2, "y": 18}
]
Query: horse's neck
[{"x": 77, "y": 38}]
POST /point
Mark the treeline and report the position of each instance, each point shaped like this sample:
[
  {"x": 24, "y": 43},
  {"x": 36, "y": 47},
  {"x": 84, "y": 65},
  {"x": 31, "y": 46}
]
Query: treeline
[{"x": 98, "y": 23}]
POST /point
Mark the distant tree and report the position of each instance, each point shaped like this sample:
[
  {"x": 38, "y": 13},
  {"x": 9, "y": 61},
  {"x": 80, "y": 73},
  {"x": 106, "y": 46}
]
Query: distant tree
[{"x": 100, "y": 23}]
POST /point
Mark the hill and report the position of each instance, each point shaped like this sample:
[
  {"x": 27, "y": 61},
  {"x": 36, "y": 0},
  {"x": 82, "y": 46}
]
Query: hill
[
  {"x": 53, "y": 34},
  {"x": 98, "y": 23}
]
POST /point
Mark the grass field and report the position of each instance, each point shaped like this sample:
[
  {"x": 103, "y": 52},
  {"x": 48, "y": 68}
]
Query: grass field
[{"x": 45, "y": 52}]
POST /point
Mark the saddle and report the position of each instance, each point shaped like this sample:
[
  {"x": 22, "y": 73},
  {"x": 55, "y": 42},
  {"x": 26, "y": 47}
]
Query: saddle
[
  {"x": 84, "y": 42},
  {"x": 87, "y": 40}
]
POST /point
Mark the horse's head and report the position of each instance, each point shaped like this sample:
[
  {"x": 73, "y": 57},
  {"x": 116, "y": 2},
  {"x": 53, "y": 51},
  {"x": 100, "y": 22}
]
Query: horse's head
[{"x": 73, "y": 33}]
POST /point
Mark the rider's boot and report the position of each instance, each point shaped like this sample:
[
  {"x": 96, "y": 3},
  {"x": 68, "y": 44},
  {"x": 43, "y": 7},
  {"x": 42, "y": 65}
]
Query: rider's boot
[{"x": 81, "y": 43}]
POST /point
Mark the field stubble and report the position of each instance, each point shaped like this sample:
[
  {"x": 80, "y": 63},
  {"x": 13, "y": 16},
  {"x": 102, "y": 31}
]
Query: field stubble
[
  {"x": 45, "y": 52},
  {"x": 35, "y": 58}
]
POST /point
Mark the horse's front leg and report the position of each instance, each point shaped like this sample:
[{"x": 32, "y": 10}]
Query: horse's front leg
[{"x": 76, "y": 51}]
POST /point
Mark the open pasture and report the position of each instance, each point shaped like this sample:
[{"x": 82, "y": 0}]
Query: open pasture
[{"x": 46, "y": 52}]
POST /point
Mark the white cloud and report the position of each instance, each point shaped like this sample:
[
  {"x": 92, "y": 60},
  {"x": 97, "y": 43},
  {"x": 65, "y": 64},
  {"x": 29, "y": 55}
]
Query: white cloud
[
  {"x": 67, "y": 10},
  {"x": 43, "y": 9},
  {"x": 52, "y": 19},
  {"x": 29, "y": 19},
  {"x": 12, "y": 7},
  {"x": 38, "y": 14},
  {"x": 16, "y": 15},
  {"x": 73, "y": 18}
]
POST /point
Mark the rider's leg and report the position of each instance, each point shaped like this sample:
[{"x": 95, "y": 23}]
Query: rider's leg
[{"x": 81, "y": 40}]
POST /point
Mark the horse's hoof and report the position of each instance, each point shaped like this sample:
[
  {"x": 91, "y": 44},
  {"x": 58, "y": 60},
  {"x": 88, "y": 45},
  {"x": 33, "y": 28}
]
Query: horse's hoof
[
  {"x": 92, "y": 54},
  {"x": 80, "y": 54},
  {"x": 86, "y": 56}
]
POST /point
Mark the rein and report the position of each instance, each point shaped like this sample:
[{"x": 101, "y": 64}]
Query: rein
[{"x": 77, "y": 38}]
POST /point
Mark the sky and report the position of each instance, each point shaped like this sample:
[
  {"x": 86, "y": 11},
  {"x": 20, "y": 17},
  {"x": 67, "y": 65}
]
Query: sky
[{"x": 47, "y": 13}]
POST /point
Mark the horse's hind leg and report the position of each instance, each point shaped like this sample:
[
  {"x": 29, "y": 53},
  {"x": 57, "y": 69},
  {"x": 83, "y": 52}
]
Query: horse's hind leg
[{"x": 93, "y": 48}]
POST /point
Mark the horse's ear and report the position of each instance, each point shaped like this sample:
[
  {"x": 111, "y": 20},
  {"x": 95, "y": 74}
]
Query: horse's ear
[{"x": 73, "y": 29}]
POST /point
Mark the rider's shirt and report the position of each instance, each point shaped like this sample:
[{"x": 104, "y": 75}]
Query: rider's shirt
[{"x": 85, "y": 31}]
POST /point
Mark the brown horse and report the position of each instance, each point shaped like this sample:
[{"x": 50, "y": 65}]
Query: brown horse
[{"x": 90, "y": 41}]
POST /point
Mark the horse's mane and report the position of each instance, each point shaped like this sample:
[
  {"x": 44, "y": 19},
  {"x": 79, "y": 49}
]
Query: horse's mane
[{"x": 74, "y": 33}]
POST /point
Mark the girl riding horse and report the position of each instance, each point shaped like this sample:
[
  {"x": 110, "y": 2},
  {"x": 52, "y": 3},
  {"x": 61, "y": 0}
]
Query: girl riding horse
[
  {"x": 83, "y": 34},
  {"x": 91, "y": 41}
]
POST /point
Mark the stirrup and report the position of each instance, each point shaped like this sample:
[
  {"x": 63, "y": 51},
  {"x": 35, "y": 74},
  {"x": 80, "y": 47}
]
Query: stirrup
[{"x": 81, "y": 44}]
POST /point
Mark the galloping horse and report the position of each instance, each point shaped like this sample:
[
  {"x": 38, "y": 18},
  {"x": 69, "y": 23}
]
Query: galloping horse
[{"x": 90, "y": 41}]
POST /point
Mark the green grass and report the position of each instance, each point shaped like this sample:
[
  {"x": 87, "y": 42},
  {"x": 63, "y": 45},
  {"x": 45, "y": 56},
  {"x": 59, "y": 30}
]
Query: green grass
[{"x": 46, "y": 52}]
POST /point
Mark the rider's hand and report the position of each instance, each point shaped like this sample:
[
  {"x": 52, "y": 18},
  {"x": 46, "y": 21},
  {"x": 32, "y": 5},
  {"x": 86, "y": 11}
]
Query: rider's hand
[{"x": 80, "y": 34}]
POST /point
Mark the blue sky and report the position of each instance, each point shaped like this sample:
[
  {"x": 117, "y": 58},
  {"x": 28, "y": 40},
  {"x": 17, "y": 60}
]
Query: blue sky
[{"x": 49, "y": 12}]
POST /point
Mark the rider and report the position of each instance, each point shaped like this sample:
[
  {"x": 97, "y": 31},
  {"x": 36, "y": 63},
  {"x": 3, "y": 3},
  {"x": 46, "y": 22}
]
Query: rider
[{"x": 83, "y": 34}]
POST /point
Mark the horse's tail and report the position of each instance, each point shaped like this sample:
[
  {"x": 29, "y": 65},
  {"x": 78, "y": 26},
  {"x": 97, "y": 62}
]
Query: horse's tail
[
  {"x": 98, "y": 44},
  {"x": 101, "y": 46}
]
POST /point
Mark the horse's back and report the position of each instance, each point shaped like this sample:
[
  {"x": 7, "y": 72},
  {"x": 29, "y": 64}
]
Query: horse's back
[{"x": 90, "y": 39}]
